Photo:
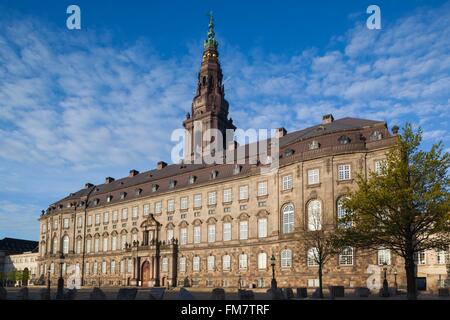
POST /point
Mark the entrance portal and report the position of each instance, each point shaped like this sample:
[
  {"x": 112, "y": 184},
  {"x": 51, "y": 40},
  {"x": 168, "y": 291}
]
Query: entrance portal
[{"x": 146, "y": 274}]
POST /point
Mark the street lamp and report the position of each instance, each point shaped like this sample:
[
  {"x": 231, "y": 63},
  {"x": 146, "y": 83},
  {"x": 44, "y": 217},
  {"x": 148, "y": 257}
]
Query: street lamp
[
  {"x": 48, "y": 279},
  {"x": 60, "y": 290},
  {"x": 274, "y": 281},
  {"x": 385, "y": 290}
]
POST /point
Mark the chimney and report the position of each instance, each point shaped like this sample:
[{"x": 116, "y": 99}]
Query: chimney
[
  {"x": 328, "y": 118},
  {"x": 108, "y": 180},
  {"x": 133, "y": 173},
  {"x": 281, "y": 132},
  {"x": 161, "y": 165},
  {"x": 88, "y": 185}
]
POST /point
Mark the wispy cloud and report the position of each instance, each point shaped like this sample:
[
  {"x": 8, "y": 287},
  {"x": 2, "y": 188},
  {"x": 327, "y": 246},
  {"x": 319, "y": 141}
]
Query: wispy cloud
[{"x": 75, "y": 106}]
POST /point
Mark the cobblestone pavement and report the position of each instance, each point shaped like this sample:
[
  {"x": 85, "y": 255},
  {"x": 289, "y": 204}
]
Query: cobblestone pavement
[{"x": 199, "y": 294}]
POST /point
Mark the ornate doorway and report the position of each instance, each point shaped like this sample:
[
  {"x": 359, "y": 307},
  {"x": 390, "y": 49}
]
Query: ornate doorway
[{"x": 146, "y": 274}]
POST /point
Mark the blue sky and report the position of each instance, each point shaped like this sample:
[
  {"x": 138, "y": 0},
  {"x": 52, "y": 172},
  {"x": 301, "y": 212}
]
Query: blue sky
[{"x": 77, "y": 106}]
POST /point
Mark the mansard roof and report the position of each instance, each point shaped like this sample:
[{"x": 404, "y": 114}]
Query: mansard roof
[
  {"x": 14, "y": 246},
  {"x": 327, "y": 134}
]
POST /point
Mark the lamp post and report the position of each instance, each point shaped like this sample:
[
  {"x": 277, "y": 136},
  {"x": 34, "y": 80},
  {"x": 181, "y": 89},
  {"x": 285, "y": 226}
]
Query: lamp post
[
  {"x": 274, "y": 281},
  {"x": 60, "y": 290},
  {"x": 395, "y": 280},
  {"x": 385, "y": 289}
]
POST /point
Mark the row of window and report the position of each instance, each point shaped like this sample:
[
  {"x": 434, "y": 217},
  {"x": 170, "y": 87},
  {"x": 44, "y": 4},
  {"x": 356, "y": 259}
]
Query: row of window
[{"x": 344, "y": 173}]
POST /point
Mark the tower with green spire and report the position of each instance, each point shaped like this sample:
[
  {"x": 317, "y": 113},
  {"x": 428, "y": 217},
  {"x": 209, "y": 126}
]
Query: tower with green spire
[{"x": 209, "y": 105}]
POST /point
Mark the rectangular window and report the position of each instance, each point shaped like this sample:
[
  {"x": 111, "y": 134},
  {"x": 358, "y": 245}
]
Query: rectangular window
[
  {"x": 114, "y": 243},
  {"x": 96, "y": 244},
  {"x": 66, "y": 223},
  {"x": 287, "y": 182},
  {"x": 103, "y": 267},
  {"x": 158, "y": 207},
  {"x": 262, "y": 188},
  {"x": 226, "y": 231},
  {"x": 124, "y": 213},
  {"x": 105, "y": 217},
  {"x": 55, "y": 224},
  {"x": 183, "y": 236},
  {"x": 115, "y": 216},
  {"x": 165, "y": 264},
  {"x": 113, "y": 266},
  {"x": 384, "y": 256},
  {"x": 196, "y": 264},
  {"x": 226, "y": 263},
  {"x": 243, "y": 230},
  {"x": 440, "y": 256},
  {"x": 197, "y": 201},
  {"x": 130, "y": 265},
  {"x": 88, "y": 268},
  {"x": 313, "y": 176},
  {"x": 170, "y": 205},
  {"x": 211, "y": 233},
  {"x": 105, "y": 244},
  {"x": 197, "y": 234},
  {"x": 169, "y": 234},
  {"x": 184, "y": 203},
  {"x": 227, "y": 195},
  {"x": 146, "y": 209},
  {"x": 97, "y": 218},
  {"x": 212, "y": 198},
  {"x": 243, "y": 192},
  {"x": 80, "y": 222},
  {"x": 344, "y": 172},
  {"x": 123, "y": 241},
  {"x": 262, "y": 227},
  {"x": 135, "y": 212},
  {"x": 122, "y": 266},
  {"x": 89, "y": 221},
  {"x": 262, "y": 261}
]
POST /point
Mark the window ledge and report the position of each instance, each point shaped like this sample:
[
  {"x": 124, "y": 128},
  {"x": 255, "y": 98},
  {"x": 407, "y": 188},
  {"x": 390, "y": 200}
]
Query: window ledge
[
  {"x": 261, "y": 197},
  {"x": 315, "y": 185},
  {"x": 344, "y": 181},
  {"x": 287, "y": 190}
]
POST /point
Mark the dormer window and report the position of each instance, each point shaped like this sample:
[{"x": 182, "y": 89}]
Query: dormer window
[
  {"x": 172, "y": 184},
  {"x": 60, "y": 206},
  {"x": 123, "y": 195},
  {"x": 344, "y": 140},
  {"x": 376, "y": 135},
  {"x": 138, "y": 191},
  {"x": 108, "y": 199},
  {"x": 288, "y": 152},
  {"x": 96, "y": 201},
  {"x": 192, "y": 179},
  {"x": 237, "y": 169},
  {"x": 155, "y": 188},
  {"x": 214, "y": 174},
  {"x": 313, "y": 145}
]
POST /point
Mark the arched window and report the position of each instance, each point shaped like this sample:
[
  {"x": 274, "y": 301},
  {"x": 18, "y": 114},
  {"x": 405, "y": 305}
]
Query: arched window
[
  {"x": 226, "y": 262},
  {"x": 262, "y": 260},
  {"x": 78, "y": 247},
  {"x": 314, "y": 215},
  {"x": 182, "y": 264},
  {"x": 346, "y": 257},
  {"x": 288, "y": 218},
  {"x": 105, "y": 243},
  {"x": 243, "y": 261},
  {"x": 342, "y": 214},
  {"x": 55, "y": 245},
  {"x": 313, "y": 257},
  {"x": 66, "y": 244},
  {"x": 286, "y": 258}
]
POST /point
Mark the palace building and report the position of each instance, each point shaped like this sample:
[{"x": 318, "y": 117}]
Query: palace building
[{"x": 218, "y": 225}]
